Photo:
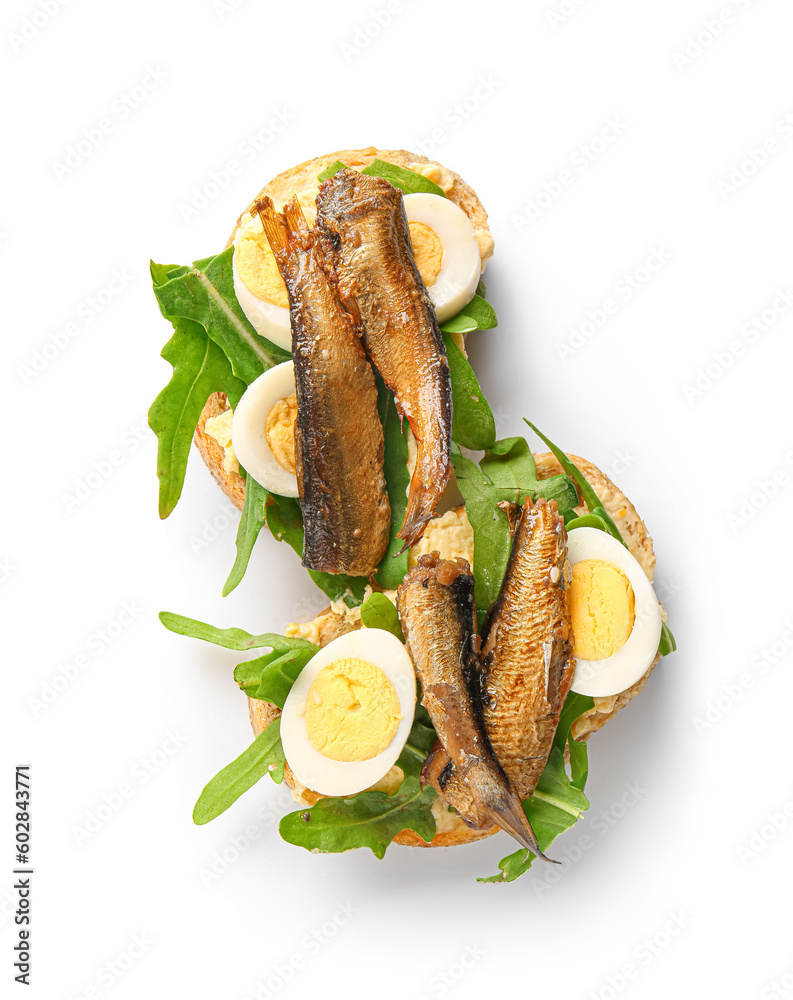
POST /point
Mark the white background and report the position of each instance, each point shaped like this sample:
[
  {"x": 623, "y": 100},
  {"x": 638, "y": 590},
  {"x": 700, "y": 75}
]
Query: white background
[{"x": 678, "y": 886}]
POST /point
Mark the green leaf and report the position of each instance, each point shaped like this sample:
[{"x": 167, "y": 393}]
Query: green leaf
[
  {"x": 492, "y": 540},
  {"x": 667, "y": 644},
  {"x": 588, "y": 494},
  {"x": 394, "y": 564},
  {"x": 330, "y": 170},
  {"x": 587, "y": 521},
  {"x": 264, "y": 756},
  {"x": 558, "y": 800},
  {"x": 509, "y": 465},
  {"x": 277, "y": 673},
  {"x": 559, "y": 488},
  {"x": 477, "y": 314},
  {"x": 419, "y": 743},
  {"x": 473, "y": 425},
  {"x": 506, "y": 472},
  {"x": 574, "y": 707},
  {"x": 369, "y": 819},
  {"x": 230, "y": 638},
  {"x": 199, "y": 369},
  {"x": 285, "y": 520},
  {"x": 379, "y": 612},
  {"x": 406, "y": 180},
  {"x": 250, "y": 525},
  {"x": 205, "y": 295}
]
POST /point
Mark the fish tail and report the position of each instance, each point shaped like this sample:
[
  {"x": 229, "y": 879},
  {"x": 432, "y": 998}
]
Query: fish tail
[
  {"x": 275, "y": 227},
  {"x": 500, "y": 802},
  {"x": 421, "y": 502},
  {"x": 293, "y": 214}
]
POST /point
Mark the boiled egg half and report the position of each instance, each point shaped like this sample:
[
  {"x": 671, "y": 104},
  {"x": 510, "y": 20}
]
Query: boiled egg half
[
  {"x": 258, "y": 284},
  {"x": 446, "y": 251},
  {"x": 445, "y": 248},
  {"x": 349, "y": 713},
  {"x": 615, "y": 614},
  {"x": 263, "y": 430}
]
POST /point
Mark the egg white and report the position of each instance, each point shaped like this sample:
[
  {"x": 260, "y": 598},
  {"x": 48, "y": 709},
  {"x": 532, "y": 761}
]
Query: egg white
[
  {"x": 247, "y": 429},
  {"x": 461, "y": 266},
  {"x": 616, "y": 673},
  {"x": 335, "y": 777},
  {"x": 267, "y": 319}
]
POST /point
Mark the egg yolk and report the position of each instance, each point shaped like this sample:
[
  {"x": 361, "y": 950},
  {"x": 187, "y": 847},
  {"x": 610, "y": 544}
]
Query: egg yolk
[
  {"x": 257, "y": 268},
  {"x": 427, "y": 252},
  {"x": 601, "y": 609},
  {"x": 352, "y": 710},
  {"x": 279, "y": 431}
]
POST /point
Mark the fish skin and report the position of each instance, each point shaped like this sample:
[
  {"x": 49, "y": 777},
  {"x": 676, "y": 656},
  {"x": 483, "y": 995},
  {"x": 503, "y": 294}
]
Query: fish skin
[
  {"x": 339, "y": 443},
  {"x": 437, "y": 613},
  {"x": 527, "y": 647},
  {"x": 380, "y": 284},
  {"x": 522, "y": 700}
]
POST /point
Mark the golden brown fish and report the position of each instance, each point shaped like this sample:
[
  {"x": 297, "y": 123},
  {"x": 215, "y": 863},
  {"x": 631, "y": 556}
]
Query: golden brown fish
[
  {"x": 527, "y": 662},
  {"x": 527, "y": 648},
  {"x": 380, "y": 283},
  {"x": 338, "y": 434},
  {"x": 436, "y": 610}
]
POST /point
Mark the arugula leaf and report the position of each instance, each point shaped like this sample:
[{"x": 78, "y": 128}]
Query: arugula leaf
[
  {"x": 558, "y": 800},
  {"x": 667, "y": 644},
  {"x": 277, "y": 673},
  {"x": 268, "y": 677},
  {"x": 509, "y": 465},
  {"x": 250, "y": 525},
  {"x": 264, "y": 756},
  {"x": 477, "y": 314},
  {"x": 587, "y": 521},
  {"x": 394, "y": 564},
  {"x": 199, "y": 369},
  {"x": 574, "y": 707},
  {"x": 330, "y": 170},
  {"x": 559, "y": 488},
  {"x": 205, "y": 294},
  {"x": 473, "y": 425},
  {"x": 406, "y": 180},
  {"x": 379, "y": 612},
  {"x": 369, "y": 819},
  {"x": 285, "y": 521},
  {"x": 506, "y": 472},
  {"x": 229, "y": 638},
  {"x": 419, "y": 743},
  {"x": 587, "y": 493},
  {"x": 492, "y": 540}
]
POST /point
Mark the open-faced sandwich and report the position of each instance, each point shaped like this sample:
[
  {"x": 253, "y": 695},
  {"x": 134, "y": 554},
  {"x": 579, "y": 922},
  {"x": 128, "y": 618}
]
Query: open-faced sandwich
[{"x": 486, "y": 616}]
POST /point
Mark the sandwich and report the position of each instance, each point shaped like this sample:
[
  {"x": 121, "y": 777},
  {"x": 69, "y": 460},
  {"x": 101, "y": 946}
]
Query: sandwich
[{"x": 485, "y": 616}]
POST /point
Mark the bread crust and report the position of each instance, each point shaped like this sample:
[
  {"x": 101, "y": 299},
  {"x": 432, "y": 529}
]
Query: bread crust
[
  {"x": 303, "y": 177},
  {"x": 331, "y": 625}
]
